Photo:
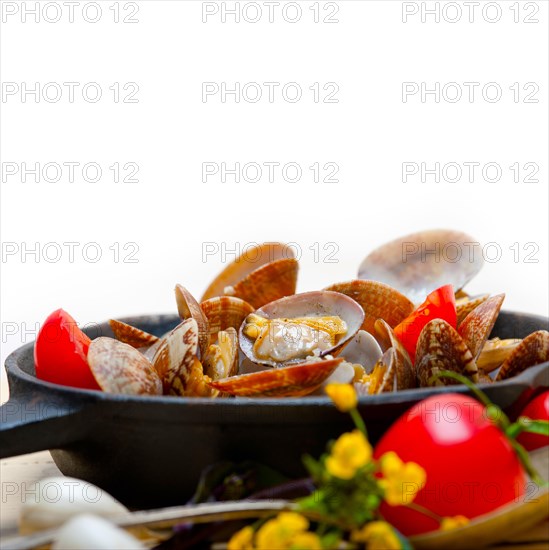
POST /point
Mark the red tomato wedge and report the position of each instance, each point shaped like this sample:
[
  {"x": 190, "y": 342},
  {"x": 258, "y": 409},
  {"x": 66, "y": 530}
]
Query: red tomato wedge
[
  {"x": 537, "y": 409},
  {"x": 60, "y": 353},
  {"x": 440, "y": 304}
]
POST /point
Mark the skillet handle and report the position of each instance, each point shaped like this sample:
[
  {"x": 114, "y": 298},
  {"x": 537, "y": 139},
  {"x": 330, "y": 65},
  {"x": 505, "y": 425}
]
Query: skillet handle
[{"x": 30, "y": 423}]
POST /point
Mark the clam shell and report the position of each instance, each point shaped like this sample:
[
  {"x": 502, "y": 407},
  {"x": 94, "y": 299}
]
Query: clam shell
[
  {"x": 119, "y": 368},
  {"x": 419, "y": 263},
  {"x": 363, "y": 350},
  {"x": 494, "y": 353},
  {"x": 260, "y": 275},
  {"x": 314, "y": 304},
  {"x": 404, "y": 369},
  {"x": 292, "y": 381},
  {"x": 378, "y": 300},
  {"x": 188, "y": 308},
  {"x": 478, "y": 325},
  {"x": 398, "y": 375},
  {"x": 484, "y": 378},
  {"x": 440, "y": 347},
  {"x": 533, "y": 350},
  {"x": 465, "y": 305},
  {"x": 132, "y": 336},
  {"x": 213, "y": 365},
  {"x": 225, "y": 312},
  {"x": 177, "y": 364}
]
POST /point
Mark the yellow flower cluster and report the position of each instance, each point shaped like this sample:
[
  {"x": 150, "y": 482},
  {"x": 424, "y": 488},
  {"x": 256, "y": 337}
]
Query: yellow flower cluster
[
  {"x": 287, "y": 531},
  {"x": 377, "y": 535},
  {"x": 401, "y": 481},
  {"x": 453, "y": 523},
  {"x": 343, "y": 395},
  {"x": 349, "y": 453}
]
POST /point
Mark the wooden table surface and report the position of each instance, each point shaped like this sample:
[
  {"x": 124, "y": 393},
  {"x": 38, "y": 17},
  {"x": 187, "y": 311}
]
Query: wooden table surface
[{"x": 17, "y": 475}]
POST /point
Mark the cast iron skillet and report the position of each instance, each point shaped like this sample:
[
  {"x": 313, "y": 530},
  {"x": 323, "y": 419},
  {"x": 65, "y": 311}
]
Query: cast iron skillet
[{"x": 149, "y": 451}]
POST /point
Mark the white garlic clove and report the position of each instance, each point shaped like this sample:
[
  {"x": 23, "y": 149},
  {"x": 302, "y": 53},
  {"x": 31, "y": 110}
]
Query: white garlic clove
[
  {"x": 87, "y": 532},
  {"x": 54, "y": 500}
]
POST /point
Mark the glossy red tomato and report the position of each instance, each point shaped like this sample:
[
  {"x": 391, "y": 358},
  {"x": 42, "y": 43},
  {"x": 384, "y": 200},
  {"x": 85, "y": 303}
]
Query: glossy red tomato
[
  {"x": 60, "y": 353},
  {"x": 470, "y": 465},
  {"x": 537, "y": 409},
  {"x": 440, "y": 304}
]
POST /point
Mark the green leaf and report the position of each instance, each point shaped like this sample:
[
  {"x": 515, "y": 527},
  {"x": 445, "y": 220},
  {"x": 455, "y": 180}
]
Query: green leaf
[{"x": 331, "y": 539}]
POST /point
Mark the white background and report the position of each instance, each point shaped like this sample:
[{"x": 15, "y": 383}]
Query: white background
[{"x": 170, "y": 131}]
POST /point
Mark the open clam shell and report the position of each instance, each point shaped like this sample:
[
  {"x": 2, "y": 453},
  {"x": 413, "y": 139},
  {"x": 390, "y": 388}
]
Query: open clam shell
[
  {"x": 404, "y": 370},
  {"x": 177, "y": 363},
  {"x": 466, "y": 304},
  {"x": 308, "y": 304},
  {"x": 419, "y": 263},
  {"x": 292, "y": 381},
  {"x": 362, "y": 350},
  {"x": 260, "y": 275},
  {"x": 221, "y": 358},
  {"x": 120, "y": 368},
  {"x": 390, "y": 373},
  {"x": 378, "y": 300},
  {"x": 478, "y": 325},
  {"x": 440, "y": 347},
  {"x": 533, "y": 350},
  {"x": 132, "y": 336},
  {"x": 225, "y": 312},
  {"x": 189, "y": 308},
  {"x": 495, "y": 351}
]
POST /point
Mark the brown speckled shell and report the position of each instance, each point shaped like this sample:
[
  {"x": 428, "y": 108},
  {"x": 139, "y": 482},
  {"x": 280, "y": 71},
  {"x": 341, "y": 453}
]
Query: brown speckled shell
[
  {"x": 293, "y": 381},
  {"x": 440, "y": 347},
  {"x": 225, "y": 312},
  {"x": 478, "y": 325},
  {"x": 176, "y": 354},
  {"x": 378, "y": 300},
  {"x": 188, "y": 308},
  {"x": 120, "y": 368},
  {"x": 533, "y": 350},
  {"x": 132, "y": 336},
  {"x": 466, "y": 305},
  {"x": 259, "y": 275},
  {"x": 405, "y": 371}
]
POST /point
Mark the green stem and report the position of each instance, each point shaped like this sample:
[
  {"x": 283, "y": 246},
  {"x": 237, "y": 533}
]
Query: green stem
[
  {"x": 481, "y": 396},
  {"x": 499, "y": 418},
  {"x": 524, "y": 457},
  {"x": 425, "y": 511},
  {"x": 359, "y": 422}
]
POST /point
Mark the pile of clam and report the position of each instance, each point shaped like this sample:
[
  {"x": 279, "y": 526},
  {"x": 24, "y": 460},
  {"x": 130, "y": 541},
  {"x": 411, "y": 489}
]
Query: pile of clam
[{"x": 252, "y": 336}]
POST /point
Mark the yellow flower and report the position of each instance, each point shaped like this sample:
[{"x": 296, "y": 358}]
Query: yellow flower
[
  {"x": 280, "y": 531},
  {"x": 306, "y": 541},
  {"x": 242, "y": 540},
  {"x": 401, "y": 481},
  {"x": 343, "y": 395},
  {"x": 453, "y": 523},
  {"x": 378, "y": 535},
  {"x": 349, "y": 453}
]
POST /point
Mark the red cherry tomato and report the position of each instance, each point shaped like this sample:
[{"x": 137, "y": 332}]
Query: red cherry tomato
[
  {"x": 440, "y": 304},
  {"x": 537, "y": 409},
  {"x": 470, "y": 465},
  {"x": 60, "y": 353}
]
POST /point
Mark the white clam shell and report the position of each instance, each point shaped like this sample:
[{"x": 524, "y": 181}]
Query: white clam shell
[
  {"x": 54, "y": 500},
  {"x": 363, "y": 349},
  {"x": 88, "y": 532},
  {"x": 419, "y": 263},
  {"x": 307, "y": 304}
]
